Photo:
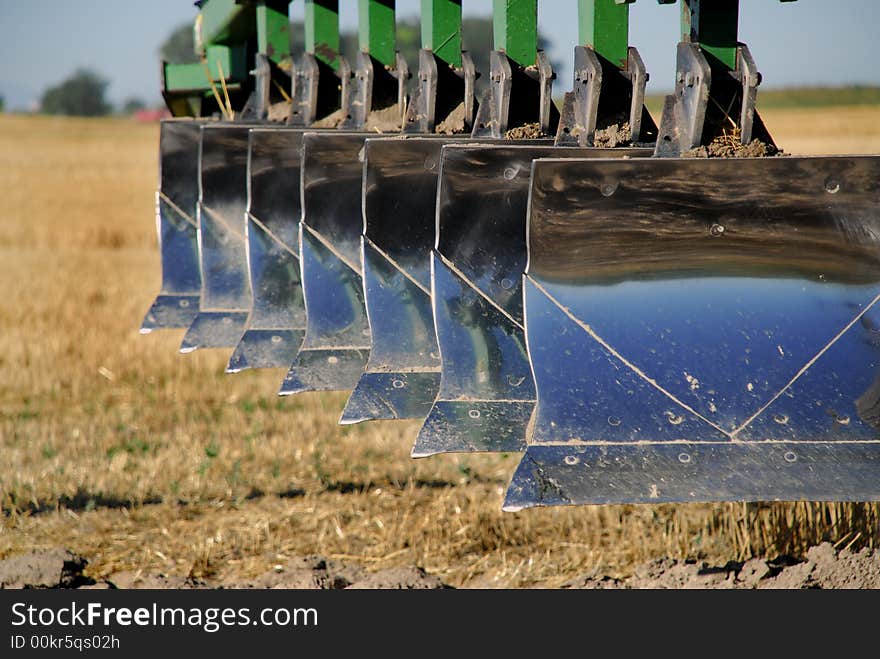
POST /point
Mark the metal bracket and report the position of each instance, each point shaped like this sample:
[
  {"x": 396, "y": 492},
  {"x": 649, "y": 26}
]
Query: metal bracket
[
  {"x": 318, "y": 90},
  {"x": 749, "y": 77},
  {"x": 257, "y": 106},
  {"x": 375, "y": 88},
  {"x": 263, "y": 96},
  {"x": 684, "y": 111},
  {"x": 517, "y": 96},
  {"x": 708, "y": 101},
  {"x": 442, "y": 88},
  {"x": 605, "y": 95}
]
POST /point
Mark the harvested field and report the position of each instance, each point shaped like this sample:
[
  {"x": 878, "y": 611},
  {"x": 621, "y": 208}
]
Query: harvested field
[{"x": 141, "y": 460}]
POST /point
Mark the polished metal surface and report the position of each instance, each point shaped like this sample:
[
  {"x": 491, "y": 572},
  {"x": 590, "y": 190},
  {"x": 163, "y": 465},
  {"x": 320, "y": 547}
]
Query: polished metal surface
[
  {"x": 486, "y": 393},
  {"x": 402, "y": 376},
  {"x": 178, "y": 301},
  {"x": 277, "y": 319},
  {"x": 337, "y": 339},
  {"x": 226, "y": 293},
  {"x": 703, "y": 330}
]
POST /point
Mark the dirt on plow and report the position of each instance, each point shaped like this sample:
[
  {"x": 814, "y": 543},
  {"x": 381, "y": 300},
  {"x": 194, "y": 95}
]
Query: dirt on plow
[
  {"x": 824, "y": 567},
  {"x": 729, "y": 146}
]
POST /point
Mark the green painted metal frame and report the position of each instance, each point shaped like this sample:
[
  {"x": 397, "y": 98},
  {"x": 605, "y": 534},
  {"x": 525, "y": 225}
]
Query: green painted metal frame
[
  {"x": 226, "y": 27},
  {"x": 322, "y": 31},
  {"x": 273, "y": 31},
  {"x": 515, "y": 28},
  {"x": 376, "y": 30},
  {"x": 603, "y": 25},
  {"x": 713, "y": 25},
  {"x": 441, "y": 29}
]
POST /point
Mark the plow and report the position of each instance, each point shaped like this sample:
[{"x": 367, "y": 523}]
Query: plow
[{"x": 644, "y": 310}]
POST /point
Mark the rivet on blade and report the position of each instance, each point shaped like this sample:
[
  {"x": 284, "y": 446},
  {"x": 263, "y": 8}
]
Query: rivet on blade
[
  {"x": 674, "y": 419},
  {"x": 608, "y": 188},
  {"x": 832, "y": 185}
]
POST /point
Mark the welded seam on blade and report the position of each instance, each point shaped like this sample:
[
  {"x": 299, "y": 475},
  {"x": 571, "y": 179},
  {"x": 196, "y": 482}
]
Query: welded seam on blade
[
  {"x": 489, "y": 300},
  {"x": 703, "y": 442},
  {"x": 330, "y": 248},
  {"x": 396, "y": 265},
  {"x": 187, "y": 217},
  {"x": 382, "y": 370},
  {"x": 269, "y": 233},
  {"x": 635, "y": 369},
  {"x": 806, "y": 366},
  {"x": 218, "y": 218}
]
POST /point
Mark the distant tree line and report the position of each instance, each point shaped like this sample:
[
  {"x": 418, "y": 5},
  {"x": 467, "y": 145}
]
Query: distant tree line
[{"x": 83, "y": 94}]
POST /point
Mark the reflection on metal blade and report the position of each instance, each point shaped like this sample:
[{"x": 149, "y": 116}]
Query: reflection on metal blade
[
  {"x": 277, "y": 320},
  {"x": 226, "y": 295},
  {"x": 708, "y": 332},
  {"x": 337, "y": 338},
  {"x": 400, "y": 192},
  {"x": 178, "y": 301},
  {"x": 486, "y": 393}
]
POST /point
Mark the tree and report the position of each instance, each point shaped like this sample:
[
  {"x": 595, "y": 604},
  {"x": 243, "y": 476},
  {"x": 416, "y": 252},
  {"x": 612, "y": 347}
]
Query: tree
[
  {"x": 2, "y": 104},
  {"x": 82, "y": 94},
  {"x": 132, "y": 105},
  {"x": 179, "y": 47}
]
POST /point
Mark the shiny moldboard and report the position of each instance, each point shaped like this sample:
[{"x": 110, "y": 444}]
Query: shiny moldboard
[
  {"x": 337, "y": 338},
  {"x": 486, "y": 394},
  {"x": 402, "y": 374},
  {"x": 703, "y": 330},
  {"x": 277, "y": 318},
  {"x": 226, "y": 292},
  {"x": 176, "y": 208}
]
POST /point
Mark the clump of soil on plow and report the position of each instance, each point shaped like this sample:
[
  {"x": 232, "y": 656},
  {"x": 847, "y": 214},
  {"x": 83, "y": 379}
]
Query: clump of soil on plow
[
  {"x": 333, "y": 120},
  {"x": 386, "y": 120},
  {"x": 526, "y": 132},
  {"x": 728, "y": 145},
  {"x": 824, "y": 567},
  {"x": 453, "y": 124},
  {"x": 613, "y": 136},
  {"x": 279, "y": 112}
]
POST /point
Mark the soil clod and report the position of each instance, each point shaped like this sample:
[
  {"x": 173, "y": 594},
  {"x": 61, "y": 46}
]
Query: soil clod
[
  {"x": 525, "y": 132},
  {"x": 44, "y": 568}
]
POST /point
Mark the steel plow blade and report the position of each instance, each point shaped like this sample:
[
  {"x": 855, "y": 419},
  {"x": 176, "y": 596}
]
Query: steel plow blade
[
  {"x": 402, "y": 376},
  {"x": 176, "y": 202},
  {"x": 337, "y": 338},
  {"x": 486, "y": 394},
  {"x": 226, "y": 293},
  {"x": 277, "y": 319},
  {"x": 703, "y": 330}
]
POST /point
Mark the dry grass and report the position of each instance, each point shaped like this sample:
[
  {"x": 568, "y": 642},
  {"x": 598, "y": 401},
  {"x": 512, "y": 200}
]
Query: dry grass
[{"x": 121, "y": 449}]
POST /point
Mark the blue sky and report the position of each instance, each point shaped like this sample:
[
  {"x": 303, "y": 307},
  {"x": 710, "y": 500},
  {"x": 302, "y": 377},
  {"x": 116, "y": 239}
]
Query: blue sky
[{"x": 808, "y": 42}]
